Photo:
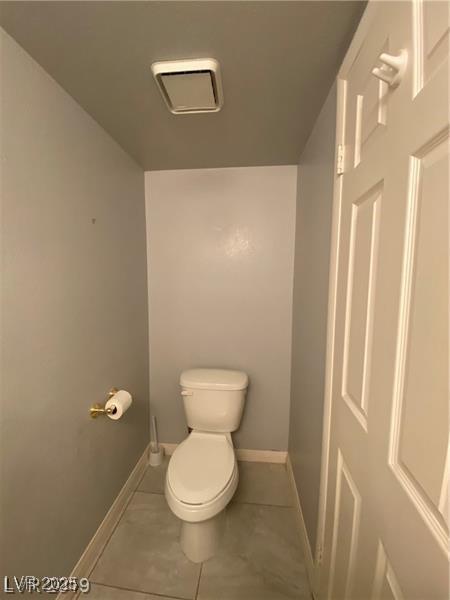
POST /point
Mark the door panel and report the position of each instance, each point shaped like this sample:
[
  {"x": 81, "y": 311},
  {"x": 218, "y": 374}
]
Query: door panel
[
  {"x": 385, "y": 585},
  {"x": 431, "y": 39},
  {"x": 418, "y": 455},
  {"x": 365, "y": 212},
  {"x": 345, "y": 532}
]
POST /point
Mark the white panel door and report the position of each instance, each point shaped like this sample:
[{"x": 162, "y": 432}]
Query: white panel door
[{"x": 386, "y": 520}]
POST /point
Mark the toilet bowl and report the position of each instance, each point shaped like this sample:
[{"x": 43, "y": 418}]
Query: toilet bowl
[{"x": 203, "y": 475}]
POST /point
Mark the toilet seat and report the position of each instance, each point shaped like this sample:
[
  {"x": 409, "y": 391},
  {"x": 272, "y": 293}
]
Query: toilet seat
[
  {"x": 201, "y": 468},
  {"x": 195, "y": 513}
]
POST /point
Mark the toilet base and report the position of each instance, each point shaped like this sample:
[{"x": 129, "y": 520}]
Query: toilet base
[{"x": 200, "y": 541}]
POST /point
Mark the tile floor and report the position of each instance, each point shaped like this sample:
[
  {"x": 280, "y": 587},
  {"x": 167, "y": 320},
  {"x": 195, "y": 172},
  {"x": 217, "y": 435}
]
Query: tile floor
[{"x": 260, "y": 557}]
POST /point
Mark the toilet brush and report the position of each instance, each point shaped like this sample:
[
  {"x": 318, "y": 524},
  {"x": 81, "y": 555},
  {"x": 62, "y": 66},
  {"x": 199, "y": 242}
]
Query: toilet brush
[{"x": 156, "y": 451}]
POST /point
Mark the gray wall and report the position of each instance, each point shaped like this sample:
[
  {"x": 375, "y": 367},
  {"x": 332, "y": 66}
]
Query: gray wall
[
  {"x": 221, "y": 245},
  {"x": 74, "y": 320},
  {"x": 310, "y": 304}
]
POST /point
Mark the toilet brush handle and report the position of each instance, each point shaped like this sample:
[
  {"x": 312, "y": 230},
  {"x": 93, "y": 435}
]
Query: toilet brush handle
[{"x": 154, "y": 435}]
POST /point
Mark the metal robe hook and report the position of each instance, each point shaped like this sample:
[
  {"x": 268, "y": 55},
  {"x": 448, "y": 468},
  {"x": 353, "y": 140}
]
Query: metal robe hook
[{"x": 392, "y": 69}]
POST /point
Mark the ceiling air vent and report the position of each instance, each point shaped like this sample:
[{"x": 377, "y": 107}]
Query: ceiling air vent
[{"x": 190, "y": 86}]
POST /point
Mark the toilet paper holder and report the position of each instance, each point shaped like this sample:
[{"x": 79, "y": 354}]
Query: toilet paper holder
[{"x": 98, "y": 409}]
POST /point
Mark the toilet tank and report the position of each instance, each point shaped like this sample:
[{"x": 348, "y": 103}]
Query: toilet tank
[{"x": 213, "y": 398}]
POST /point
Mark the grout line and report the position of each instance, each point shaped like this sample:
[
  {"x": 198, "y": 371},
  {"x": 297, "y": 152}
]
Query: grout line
[
  {"x": 198, "y": 582},
  {"x": 111, "y": 534},
  {"x": 232, "y": 501},
  {"x": 262, "y": 504},
  {"x": 127, "y": 589}
]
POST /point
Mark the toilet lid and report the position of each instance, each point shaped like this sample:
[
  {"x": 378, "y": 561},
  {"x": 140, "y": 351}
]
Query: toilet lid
[{"x": 201, "y": 467}]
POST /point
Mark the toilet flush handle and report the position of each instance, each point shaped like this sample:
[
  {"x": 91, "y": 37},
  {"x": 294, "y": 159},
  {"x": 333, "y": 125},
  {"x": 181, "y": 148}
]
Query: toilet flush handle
[{"x": 187, "y": 393}]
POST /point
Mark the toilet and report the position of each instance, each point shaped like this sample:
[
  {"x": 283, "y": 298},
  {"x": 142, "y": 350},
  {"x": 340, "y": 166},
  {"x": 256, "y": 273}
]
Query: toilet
[{"x": 202, "y": 475}]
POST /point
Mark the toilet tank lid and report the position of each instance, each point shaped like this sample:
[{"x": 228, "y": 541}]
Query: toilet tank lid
[{"x": 214, "y": 379}]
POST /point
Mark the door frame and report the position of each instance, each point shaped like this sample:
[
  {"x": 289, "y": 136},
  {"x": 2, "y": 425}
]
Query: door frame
[{"x": 358, "y": 39}]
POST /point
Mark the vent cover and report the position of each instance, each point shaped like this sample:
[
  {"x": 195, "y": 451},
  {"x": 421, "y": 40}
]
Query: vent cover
[{"x": 190, "y": 86}]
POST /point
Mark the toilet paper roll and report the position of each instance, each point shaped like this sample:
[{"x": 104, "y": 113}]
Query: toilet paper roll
[{"x": 120, "y": 403}]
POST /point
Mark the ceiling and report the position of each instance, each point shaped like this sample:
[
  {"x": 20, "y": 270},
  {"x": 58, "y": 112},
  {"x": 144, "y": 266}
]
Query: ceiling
[{"x": 278, "y": 61}]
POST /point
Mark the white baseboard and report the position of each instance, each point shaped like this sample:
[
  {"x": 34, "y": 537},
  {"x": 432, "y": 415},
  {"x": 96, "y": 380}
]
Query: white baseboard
[
  {"x": 309, "y": 560},
  {"x": 95, "y": 547},
  {"x": 267, "y": 456}
]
